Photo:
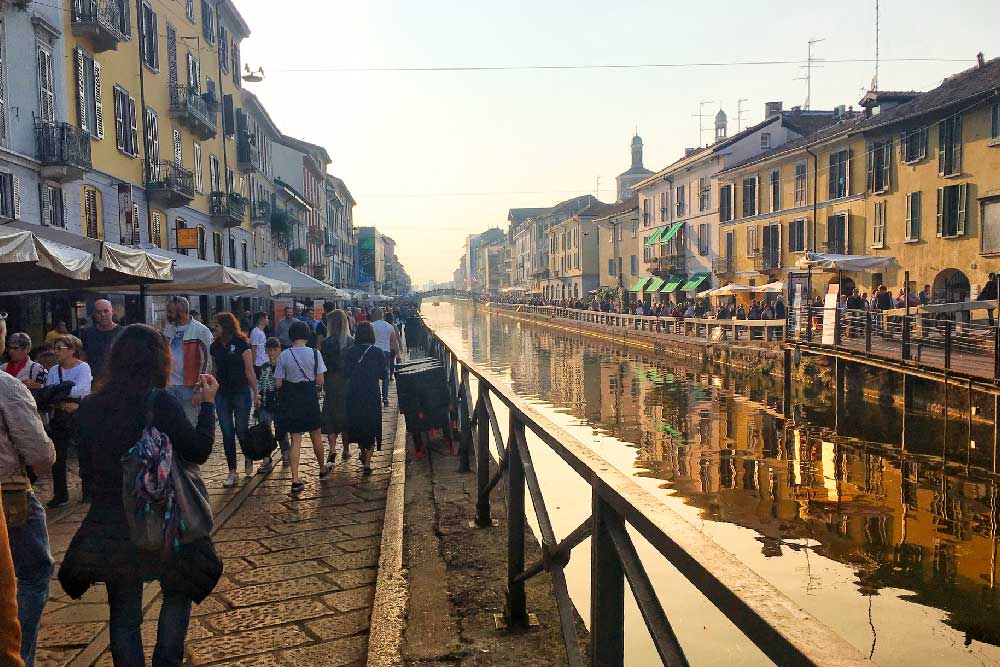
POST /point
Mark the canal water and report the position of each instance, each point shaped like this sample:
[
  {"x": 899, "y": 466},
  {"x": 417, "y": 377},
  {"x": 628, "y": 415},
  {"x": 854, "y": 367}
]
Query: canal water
[{"x": 890, "y": 542}]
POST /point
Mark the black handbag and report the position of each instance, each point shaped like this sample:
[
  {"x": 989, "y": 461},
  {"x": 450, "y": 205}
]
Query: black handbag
[{"x": 260, "y": 441}]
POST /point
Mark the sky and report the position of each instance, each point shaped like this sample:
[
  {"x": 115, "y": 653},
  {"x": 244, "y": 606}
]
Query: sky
[{"x": 432, "y": 156}]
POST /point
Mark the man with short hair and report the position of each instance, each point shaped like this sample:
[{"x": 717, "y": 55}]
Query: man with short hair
[
  {"x": 387, "y": 341},
  {"x": 97, "y": 339},
  {"x": 257, "y": 341},
  {"x": 190, "y": 341},
  {"x": 282, "y": 332}
]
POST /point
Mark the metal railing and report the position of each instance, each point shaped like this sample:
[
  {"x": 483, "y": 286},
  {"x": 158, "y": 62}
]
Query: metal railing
[
  {"x": 766, "y": 260},
  {"x": 228, "y": 208},
  {"x": 102, "y": 15},
  {"x": 62, "y": 144},
  {"x": 707, "y": 329},
  {"x": 771, "y": 621},
  {"x": 247, "y": 157},
  {"x": 722, "y": 265},
  {"x": 674, "y": 261},
  {"x": 170, "y": 178},
  {"x": 197, "y": 112}
]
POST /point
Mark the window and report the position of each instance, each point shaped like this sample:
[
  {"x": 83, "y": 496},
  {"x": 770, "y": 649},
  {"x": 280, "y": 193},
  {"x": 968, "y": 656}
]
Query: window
[
  {"x": 635, "y": 230},
  {"x": 703, "y": 238},
  {"x": 52, "y": 205},
  {"x": 838, "y": 234},
  {"x": 840, "y": 174},
  {"x": 234, "y": 54},
  {"x": 90, "y": 212},
  {"x": 232, "y": 252},
  {"x": 208, "y": 21},
  {"x": 645, "y": 212},
  {"x": 797, "y": 230},
  {"x": 213, "y": 174},
  {"x": 749, "y": 196},
  {"x": 663, "y": 206},
  {"x": 611, "y": 266},
  {"x": 179, "y": 223},
  {"x": 725, "y": 203},
  {"x": 995, "y": 122},
  {"x": 246, "y": 256},
  {"x": 217, "y": 247},
  {"x": 126, "y": 137},
  {"x": 765, "y": 140},
  {"x": 990, "y": 242},
  {"x": 704, "y": 193},
  {"x": 679, "y": 198},
  {"x": 202, "y": 243},
  {"x": 914, "y": 145},
  {"x": 152, "y": 145},
  {"x": 156, "y": 228},
  {"x": 751, "y": 240},
  {"x": 178, "y": 148},
  {"x": 199, "y": 180},
  {"x": 950, "y": 146},
  {"x": 801, "y": 184},
  {"x": 913, "y": 206},
  {"x": 46, "y": 86},
  {"x": 193, "y": 72},
  {"x": 149, "y": 45},
  {"x": 189, "y": 10},
  {"x": 633, "y": 264},
  {"x": 223, "y": 48},
  {"x": 10, "y": 196},
  {"x": 775, "y": 190},
  {"x": 90, "y": 110},
  {"x": 951, "y": 204},
  {"x": 878, "y": 225},
  {"x": 879, "y": 161}
]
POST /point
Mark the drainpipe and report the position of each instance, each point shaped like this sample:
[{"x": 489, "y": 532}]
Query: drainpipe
[
  {"x": 812, "y": 236},
  {"x": 222, "y": 100}
]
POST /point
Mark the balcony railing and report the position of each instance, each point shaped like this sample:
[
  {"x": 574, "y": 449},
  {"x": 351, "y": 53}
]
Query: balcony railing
[
  {"x": 767, "y": 260},
  {"x": 672, "y": 263},
  {"x": 247, "y": 157},
  {"x": 63, "y": 150},
  {"x": 168, "y": 184},
  {"x": 317, "y": 271},
  {"x": 260, "y": 212},
  {"x": 227, "y": 209},
  {"x": 835, "y": 247},
  {"x": 722, "y": 265},
  {"x": 195, "y": 110},
  {"x": 100, "y": 21}
]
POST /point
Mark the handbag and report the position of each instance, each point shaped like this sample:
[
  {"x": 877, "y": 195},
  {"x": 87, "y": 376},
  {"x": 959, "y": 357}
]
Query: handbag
[
  {"x": 15, "y": 498},
  {"x": 259, "y": 441}
]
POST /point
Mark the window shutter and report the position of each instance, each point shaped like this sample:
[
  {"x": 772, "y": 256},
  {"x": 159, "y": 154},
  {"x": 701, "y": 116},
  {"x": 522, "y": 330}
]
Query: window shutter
[
  {"x": 832, "y": 176},
  {"x": 84, "y": 191},
  {"x": 942, "y": 142},
  {"x": 81, "y": 91},
  {"x": 199, "y": 183},
  {"x": 940, "y": 212},
  {"x": 135, "y": 224},
  {"x": 156, "y": 42},
  {"x": 847, "y": 172},
  {"x": 62, "y": 208},
  {"x": 908, "y": 229},
  {"x": 16, "y": 191},
  {"x": 172, "y": 76},
  {"x": 956, "y": 146},
  {"x": 133, "y": 142},
  {"x": 962, "y": 203},
  {"x": 178, "y": 149},
  {"x": 98, "y": 103},
  {"x": 46, "y": 87},
  {"x": 45, "y": 196},
  {"x": 777, "y": 247},
  {"x": 870, "y": 164}
]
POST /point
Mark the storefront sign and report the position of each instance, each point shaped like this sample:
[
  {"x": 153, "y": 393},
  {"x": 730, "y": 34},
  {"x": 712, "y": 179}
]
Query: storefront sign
[{"x": 187, "y": 238}]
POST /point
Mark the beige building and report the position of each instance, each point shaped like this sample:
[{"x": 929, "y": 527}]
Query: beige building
[
  {"x": 620, "y": 246},
  {"x": 574, "y": 256}
]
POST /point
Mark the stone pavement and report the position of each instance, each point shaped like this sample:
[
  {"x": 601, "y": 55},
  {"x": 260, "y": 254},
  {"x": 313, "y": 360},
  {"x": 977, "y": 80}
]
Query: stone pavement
[{"x": 299, "y": 575}]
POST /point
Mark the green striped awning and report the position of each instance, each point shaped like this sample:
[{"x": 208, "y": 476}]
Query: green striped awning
[
  {"x": 672, "y": 283},
  {"x": 670, "y": 232},
  {"x": 656, "y": 236},
  {"x": 696, "y": 280},
  {"x": 654, "y": 285},
  {"x": 638, "y": 285}
]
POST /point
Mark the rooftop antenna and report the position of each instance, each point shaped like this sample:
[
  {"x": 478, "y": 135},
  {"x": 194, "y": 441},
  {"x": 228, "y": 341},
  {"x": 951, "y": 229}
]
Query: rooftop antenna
[
  {"x": 875, "y": 80},
  {"x": 701, "y": 116},
  {"x": 810, "y": 64},
  {"x": 739, "y": 113}
]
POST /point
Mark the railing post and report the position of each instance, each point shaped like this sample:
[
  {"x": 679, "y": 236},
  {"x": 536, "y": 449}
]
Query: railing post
[
  {"x": 607, "y": 589},
  {"x": 996, "y": 353},
  {"x": 836, "y": 325},
  {"x": 517, "y": 604},
  {"x": 868, "y": 331},
  {"x": 465, "y": 426},
  {"x": 948, "y": 324},
  {"x": 809, "y": 324},
  {"x": 483, "y": 519},
  {"x": 905, "y": 334}
]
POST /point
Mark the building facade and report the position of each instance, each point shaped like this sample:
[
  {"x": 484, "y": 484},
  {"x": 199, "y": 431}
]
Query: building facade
[
  {"x": 620, "y": 246},
  {"x": 574, "y": 255}
]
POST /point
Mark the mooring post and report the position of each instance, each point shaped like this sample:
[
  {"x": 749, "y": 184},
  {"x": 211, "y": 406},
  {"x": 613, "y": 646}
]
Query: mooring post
[
  {"x": 607, "y": 589},
  {"x": 517, "y": 605},
  {"x": 483, "y": 459}
]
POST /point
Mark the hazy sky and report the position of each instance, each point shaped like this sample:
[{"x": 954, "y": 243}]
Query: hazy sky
[{"x": 433, "y": 156}]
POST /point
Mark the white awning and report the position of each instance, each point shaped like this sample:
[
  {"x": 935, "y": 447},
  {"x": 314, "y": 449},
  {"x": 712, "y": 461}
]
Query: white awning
[
  {"x": 197, "y": 276},
  {"x": 830, "y": 262},
  {"x": 730, "y": 290},
  {"x": 777, "y": 287},
  {"x": 300, "y": 284}
]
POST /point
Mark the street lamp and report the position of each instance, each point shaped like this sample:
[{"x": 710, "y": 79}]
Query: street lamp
[{"x": 253, "y": 76}]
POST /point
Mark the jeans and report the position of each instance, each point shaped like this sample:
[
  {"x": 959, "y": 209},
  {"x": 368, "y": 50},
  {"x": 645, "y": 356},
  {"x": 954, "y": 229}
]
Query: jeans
[
  {"x": 389, "y": 356},
  {"x": 185, "y": 394},
  {"x": 29, "y": 545},
  {"x": 125, "y": 601},
  {"x": 233, "y": 411}
]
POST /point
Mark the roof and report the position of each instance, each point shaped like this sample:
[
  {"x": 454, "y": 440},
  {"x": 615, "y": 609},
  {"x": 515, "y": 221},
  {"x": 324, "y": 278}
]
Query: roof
[
  {"x": 517, "y": 216},
  {"x": 636, "y": 171},
  {"x": 630, "y": 204},
  {"x": 293, "y": 194},
  {"x": 235, "y": 15},
  {"x": 341, "y": 186},
  {"x": 305, "y": 147},
  {"x": 252, "y": 100}
]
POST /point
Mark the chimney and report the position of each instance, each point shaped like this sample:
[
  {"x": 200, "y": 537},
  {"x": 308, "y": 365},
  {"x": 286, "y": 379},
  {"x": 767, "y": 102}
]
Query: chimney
[
  {"x": 688, "y": 152},
  {"x": 772, "y": 109},
  {"x": 839, "y": 110},
  {"x": 981, "y": 59}
]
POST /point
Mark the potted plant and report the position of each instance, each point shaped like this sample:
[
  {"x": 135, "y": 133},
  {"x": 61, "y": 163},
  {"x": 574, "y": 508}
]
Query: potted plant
[{"x": 298, "y": 257}]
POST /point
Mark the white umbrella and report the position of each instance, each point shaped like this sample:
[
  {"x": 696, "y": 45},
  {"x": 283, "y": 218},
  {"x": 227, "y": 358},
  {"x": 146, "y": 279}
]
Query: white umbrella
[
  {"x": 300, "y": 284},
  {"x": 777, "y": 287},
  {"x": 832, "y": 262},
  {"x": 731, "y": 289},
  {"x": 197, "y": 276}
]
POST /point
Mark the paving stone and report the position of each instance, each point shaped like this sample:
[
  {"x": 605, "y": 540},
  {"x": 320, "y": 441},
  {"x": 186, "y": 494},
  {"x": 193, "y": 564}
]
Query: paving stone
[
  {"x": 255, "y": 661},
  {"x": 360, "y": 544},
  {"x": 234, "y": 534},
  {"x": 356, "y": 598},
  {"x": 337, "y": 653},
  {"x": 362, "y": 529},
  {"x": 353, "y": 561},
  {"x": 261, "y": 593},
  {"x": 210, "y": 605},
  {"x": 196, "y": 630},
  {"x": 54, "y": 657},
  {"x": 245, "y": 643},
  {"x": 305, "y": 539},
  {"x": 75, "y": 613},
  {"x": 239, "y": 549},
  {"x": 344, "y": 625},
  {"x": 263, "y": 575},
  {"x": 354, "y": 578},
  {"x": 274, "y": 613},
  {"x": 79, "y": 634},
  {"x": 292, "y": 555}
]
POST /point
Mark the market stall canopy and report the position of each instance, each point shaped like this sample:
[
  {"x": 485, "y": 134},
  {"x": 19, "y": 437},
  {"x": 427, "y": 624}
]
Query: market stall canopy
[
  {"x": 301, "y": 284},
  {"x": 830, "y": 262},
  {"x": 197, "y": 276}
]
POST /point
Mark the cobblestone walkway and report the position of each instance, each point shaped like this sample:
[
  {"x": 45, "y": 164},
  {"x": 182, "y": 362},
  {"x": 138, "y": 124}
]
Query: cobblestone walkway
[{"x": 299, "y": 573}]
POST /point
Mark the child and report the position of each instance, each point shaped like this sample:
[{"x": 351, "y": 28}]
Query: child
[{"x": 269, "y": 400}]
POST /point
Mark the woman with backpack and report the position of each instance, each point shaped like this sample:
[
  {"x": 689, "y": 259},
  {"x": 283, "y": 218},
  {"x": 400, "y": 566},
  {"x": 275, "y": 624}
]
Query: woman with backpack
[
  {"x": 299, "y": 372},
  {"x": 364, "y": 365},
  {"x": 334, "y": 417},
  {"x": 127, "y": 407}
]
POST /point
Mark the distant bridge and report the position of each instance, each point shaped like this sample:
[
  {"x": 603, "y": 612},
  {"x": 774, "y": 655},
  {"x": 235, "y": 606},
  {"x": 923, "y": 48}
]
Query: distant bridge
[{"x": 445, "y": 291}]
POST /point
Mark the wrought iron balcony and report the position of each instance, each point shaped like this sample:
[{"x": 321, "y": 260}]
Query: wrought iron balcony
[
  {"x": 836, "y": 247},
  {"x": 195, "y": 110},
  {"x": 260, "y": 213},
  {"x": 100, "y": 21},
  {"x": 247, "y": 157},
  {"x": 722, "y": 266},
  {"x": 669, "y": 263},
  {"x": 168, "y": 184},
  {"x": 329, "y": 250},
  {"x": 227, "y": 209},
  {"x": 63, "y": 150},
  {"x": 317, "y": 271},
  {"x": 767, "y": 260},
  {"x": 315, "y": 235}
]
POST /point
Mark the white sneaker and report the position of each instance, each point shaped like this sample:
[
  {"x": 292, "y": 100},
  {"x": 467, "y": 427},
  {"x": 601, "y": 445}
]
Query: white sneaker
[{"x": 230, "y": 480}]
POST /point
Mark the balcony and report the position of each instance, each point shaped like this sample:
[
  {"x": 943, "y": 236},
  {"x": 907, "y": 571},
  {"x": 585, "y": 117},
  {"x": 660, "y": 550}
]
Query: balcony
[
  {"x": 722, "y": 266},
  {"x": 100, "y": 21},
  {"x": 835, "y": 247},
  {"x": 667, "y": 264},
  {"x": 63, "y": 150},
  {"x": 315, "y": 235},
  {"x": 317, "y": 271},
  {"x": 169, "y": 185},
  {"x": 247, "y": 157},
  {"x": 260, "y": 213},
  {"x": 329, "y": 250},
  {"x": 195, "y": 110},
  {"x": 227, "y": 210},
  {"x": 767, "y": 260}
]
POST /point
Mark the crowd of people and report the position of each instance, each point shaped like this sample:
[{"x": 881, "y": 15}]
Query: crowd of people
[{"x": 113, "y": 390}]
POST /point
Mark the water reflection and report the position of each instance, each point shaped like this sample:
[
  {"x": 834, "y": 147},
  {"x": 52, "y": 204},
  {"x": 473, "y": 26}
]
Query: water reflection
[{"x": 912, "y": 518}]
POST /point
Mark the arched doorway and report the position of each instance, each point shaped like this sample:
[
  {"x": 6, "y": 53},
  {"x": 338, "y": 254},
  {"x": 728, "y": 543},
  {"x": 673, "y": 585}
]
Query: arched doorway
[
  {"x": 951, "y": 286},
  {"x": 847, "y": 287}
]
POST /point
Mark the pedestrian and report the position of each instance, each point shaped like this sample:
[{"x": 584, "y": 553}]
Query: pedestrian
[
  {"x": 190, "y": 341},
  {"x": 299, "y": 372},
  {"x": 62, "y": 424},
  {"x": 112, "y": 420},
  {"x": 386, "y": 341},
  {"x": 234, "y": 371},
  {"x": 98, "y": 338},
  {"x": 333, "y": 349},
  {"x": 269, "y": 409},
  {"x": 925, "y": 295},
  {"x": 19, "y": 365},
  {"x": 317, "y": 330},
  {"x": 23, "y": 442},
  {"x": 364, "y": 365},
  {"x": 989, "y": 293},
  {"x": 58, "y": 330},
  {"x": 258, "y": 341},
  {"x": 283, "y": 324}
]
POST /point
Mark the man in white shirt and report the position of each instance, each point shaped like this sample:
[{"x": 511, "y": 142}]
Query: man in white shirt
[
  {"x": 385, "y": 340},
  {"x": 190, "y": 341},
  {"x": 258, "y": 339}
]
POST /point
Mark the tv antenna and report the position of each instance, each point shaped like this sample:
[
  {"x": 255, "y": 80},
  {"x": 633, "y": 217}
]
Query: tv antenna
[
  {"x": 701, "y": 116},
  {"x": 739, "y": 113},
  {"x": 875, "y": 80},
  {"x": 810, "y": 64}
]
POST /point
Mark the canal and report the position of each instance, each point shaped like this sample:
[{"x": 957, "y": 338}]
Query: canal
[{"x": 890, "y": 541}]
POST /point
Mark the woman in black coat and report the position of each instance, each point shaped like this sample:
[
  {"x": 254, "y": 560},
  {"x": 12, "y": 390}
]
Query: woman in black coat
[
  {"x": 110, "y": 422},
  {"x": 364, "y": 365}
]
